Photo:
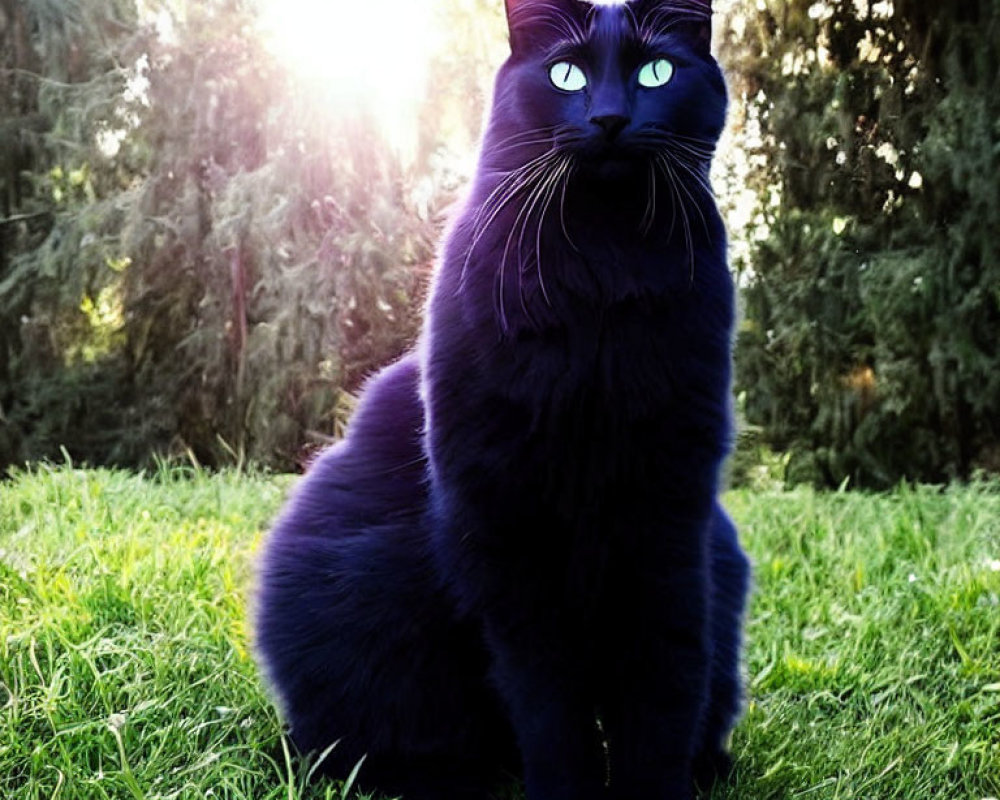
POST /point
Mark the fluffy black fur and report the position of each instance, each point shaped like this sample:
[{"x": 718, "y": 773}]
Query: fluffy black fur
[{"x": 516, "y": 561}]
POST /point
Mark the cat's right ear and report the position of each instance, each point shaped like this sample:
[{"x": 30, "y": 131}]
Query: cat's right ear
[
  {"x": 520, "y": 19},
  {"x": 530, "y": 22}
]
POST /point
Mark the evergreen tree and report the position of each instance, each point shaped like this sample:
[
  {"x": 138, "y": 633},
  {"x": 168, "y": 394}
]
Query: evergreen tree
[
  {"x": 196, "y": 259},
  {"x": 65, "y": 69},
  {"x": 869, "y": 347}
]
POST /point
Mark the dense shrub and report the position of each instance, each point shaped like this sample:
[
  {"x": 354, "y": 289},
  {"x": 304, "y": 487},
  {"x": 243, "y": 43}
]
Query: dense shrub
[
  {"x": 870, "y": 346},
  {"x": 195, "y": 259}
]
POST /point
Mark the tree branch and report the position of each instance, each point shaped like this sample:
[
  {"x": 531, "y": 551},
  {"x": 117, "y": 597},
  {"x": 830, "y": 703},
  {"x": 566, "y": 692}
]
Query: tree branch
[{"x": 23, "y": 217}]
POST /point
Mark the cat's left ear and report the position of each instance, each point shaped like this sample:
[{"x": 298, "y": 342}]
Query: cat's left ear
[
  {"x": 530, "y": 21},
  {"x": 693, "y": 17}
]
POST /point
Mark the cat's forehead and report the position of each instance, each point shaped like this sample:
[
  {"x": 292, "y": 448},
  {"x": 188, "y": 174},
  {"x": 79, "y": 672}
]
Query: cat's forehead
[{"x": 579, "y": 22}]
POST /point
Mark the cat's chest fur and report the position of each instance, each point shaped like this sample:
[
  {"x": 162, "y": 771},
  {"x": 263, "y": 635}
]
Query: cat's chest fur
[{"x": 595, "y": 390}]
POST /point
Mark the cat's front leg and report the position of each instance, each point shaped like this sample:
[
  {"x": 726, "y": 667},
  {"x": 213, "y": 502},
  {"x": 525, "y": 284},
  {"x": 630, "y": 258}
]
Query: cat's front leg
[
  {"x": 658, "y": 685},
  {"x": 540, "y": 676},
  {"x": 730, "y": 580}
]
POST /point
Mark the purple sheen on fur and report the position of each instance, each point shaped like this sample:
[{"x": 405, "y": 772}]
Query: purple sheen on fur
[{"x": 516, "y": 561}]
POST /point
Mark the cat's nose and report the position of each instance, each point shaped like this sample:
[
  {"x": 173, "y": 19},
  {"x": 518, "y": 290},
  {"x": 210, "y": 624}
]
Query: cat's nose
[{"x": 611, "y": 124}]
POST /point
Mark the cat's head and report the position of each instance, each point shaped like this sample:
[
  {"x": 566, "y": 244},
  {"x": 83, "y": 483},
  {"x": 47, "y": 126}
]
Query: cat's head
[{"x": 609, "y": 86}]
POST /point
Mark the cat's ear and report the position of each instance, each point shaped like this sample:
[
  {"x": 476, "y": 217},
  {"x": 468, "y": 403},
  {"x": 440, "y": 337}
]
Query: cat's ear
[
  {"x": 532, "y": 21},
  {"x": 691, "y": 17}
]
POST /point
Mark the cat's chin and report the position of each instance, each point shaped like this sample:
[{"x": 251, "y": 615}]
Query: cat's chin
[{"x": 614, "y": 170}]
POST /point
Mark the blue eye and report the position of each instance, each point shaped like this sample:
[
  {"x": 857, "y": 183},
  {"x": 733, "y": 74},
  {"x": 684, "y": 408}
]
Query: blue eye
[
  {"x": 656, "y": 73},
  {"x": 568, "y": 77}
]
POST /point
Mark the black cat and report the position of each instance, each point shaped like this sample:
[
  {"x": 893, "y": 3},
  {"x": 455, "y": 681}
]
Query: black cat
[{"x": 516, "y": 560}]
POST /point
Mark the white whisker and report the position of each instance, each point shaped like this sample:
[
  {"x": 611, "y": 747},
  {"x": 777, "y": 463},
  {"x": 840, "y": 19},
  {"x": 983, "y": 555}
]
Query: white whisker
[
  {"x": 549, "y": 196},
  {"x": 694, "y": 201},
  {"x": 523, "y": 216},
  {"x": 508, "y": 188},
  {"x": 676, "y": 187},
  {"x": 562, "y": 208},
  {"x": 650, "y": 213}
]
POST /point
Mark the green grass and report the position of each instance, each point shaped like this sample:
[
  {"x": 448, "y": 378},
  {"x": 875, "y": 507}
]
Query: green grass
[
  {"x": 873, "y": 642},
  {"x": 874, "y": 645}
]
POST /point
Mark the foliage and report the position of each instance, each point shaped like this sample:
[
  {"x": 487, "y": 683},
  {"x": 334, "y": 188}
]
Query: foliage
[
  {"x": 872, "y": 311},
  {"x": 873, "y": 648},
  {"x": 271, "y": 265},
  {"x": 61, "y": 82},
  {"x": 195, "y": 258}
]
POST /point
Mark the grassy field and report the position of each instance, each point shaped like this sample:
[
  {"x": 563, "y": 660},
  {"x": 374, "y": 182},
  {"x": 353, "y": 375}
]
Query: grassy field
[{"x": 873, "y": 642}]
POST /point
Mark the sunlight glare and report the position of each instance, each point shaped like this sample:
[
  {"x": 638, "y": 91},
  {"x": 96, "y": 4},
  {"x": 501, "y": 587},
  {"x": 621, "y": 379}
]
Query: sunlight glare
[{"x": 359, "y": 55}]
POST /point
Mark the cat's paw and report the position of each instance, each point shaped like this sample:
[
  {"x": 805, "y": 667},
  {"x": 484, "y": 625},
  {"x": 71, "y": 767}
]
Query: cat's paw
[{"x": 710, "y": 766}]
